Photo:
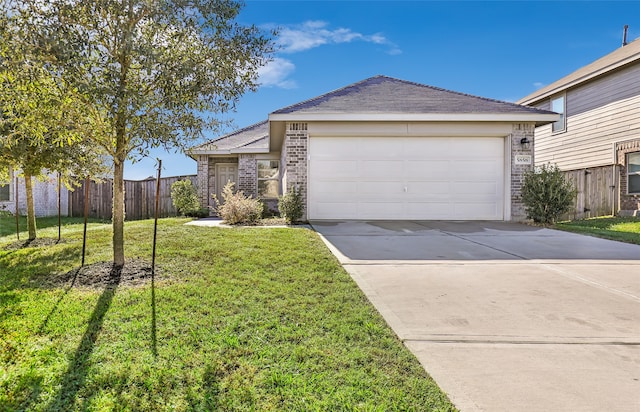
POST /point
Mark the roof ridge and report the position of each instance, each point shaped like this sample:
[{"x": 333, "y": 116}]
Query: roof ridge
[
  {"x": 458, "y": 93},
  {"x": 326, "y": 94},
  {"x": 345, "y": 90}
]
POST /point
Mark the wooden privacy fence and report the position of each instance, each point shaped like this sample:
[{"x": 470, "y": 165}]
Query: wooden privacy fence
[
  {"x": 597, "y": 192},
  {"x": 139, "y": 198}
]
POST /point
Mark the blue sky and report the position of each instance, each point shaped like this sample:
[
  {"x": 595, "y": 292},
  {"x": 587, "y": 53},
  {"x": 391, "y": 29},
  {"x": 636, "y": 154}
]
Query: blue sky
[{"x": 502, "y": 50}]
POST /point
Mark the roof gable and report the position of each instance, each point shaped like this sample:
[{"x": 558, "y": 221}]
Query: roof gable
[
  {"x": 618, "y": 58},
  {"x": 382, "y": 94},
  {"x": 251, "y": 138}
]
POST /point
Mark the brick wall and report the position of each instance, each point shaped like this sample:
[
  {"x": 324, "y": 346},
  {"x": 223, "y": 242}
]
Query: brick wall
[
  {"x": 629, "y": 204},
  {"x": 295, "y": 158},
  {"x": 520, "y": 131},
  {"x": 45, "y": 196},
  {"x": 207, "y": 177},
  {"x": 203, "y": 180},
  {"x": 248, "y": 175}
]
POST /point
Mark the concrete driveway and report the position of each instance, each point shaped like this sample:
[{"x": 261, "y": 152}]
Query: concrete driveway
[{"x": 505, "y": 317}]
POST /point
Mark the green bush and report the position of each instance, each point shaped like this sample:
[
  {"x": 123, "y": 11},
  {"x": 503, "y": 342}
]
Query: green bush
[
  {"x": 185, "y": 198},
  {"x": 238, "y": 208},
  {"x": 547, "y": 194},
  {"x": 291, "y": 206}
]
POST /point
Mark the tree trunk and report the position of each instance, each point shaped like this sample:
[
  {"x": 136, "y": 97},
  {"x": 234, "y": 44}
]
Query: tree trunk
[
  {"x": 31, "y": 210},
  {"x": 118, "y": 212}
]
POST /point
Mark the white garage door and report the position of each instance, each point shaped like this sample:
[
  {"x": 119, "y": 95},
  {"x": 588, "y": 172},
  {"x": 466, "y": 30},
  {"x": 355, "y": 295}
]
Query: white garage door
[{"x": 453, "y": 178}]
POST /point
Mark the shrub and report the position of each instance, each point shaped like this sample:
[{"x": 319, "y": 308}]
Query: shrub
[
  {"x": 547, "y": 194},
  {"x": 238, "y": 208},
  {"x": 291, "y": 206},
  {"x": 185, "y": 198}
]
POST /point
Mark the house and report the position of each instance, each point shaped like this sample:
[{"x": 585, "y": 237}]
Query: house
[
  {"x": 45, "y": 196},
  {"x": 383, "y": 148},
  {"x": 596, "y": 141}
]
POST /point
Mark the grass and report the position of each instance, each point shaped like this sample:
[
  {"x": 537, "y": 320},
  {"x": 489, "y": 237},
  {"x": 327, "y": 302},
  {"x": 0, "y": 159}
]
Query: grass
[
  {"x": 246, "y": 319},
  {"x": 623, "y": 229}
]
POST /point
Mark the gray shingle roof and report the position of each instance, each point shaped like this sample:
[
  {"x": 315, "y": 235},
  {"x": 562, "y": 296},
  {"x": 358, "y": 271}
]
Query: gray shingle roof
[
  {"x": 612, "y": 61},
  {"x": 382, "y": 94},
  {"x": 255, "y": 136}
]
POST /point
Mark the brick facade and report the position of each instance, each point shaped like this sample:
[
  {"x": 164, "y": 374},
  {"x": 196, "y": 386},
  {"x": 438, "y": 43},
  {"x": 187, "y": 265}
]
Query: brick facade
[
  {"x": 629, "y": 204},
  {"x": 248, "y": 175},
  {"x": 207, "y": 177},
  {"x": 45, "y": 196},
  {"x": 294, "y": 159},
  {"x": 520, "y": 131}
]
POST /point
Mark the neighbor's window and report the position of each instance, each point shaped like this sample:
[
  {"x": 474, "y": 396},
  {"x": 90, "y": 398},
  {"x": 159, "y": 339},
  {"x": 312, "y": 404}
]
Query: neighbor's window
[
  {"x": 4, "y": 193},
  {"x": 558, "y": 106},
  {"x": 633, "y": 173},
  {"x": 268, "y": 179}
]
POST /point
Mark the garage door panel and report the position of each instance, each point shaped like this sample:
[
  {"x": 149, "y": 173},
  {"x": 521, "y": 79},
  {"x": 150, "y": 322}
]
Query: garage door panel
[
  {"x": 347, "y": 209},
  {"x": 428, "y": 189},
  {"x": 381, "y": 210},
  {"x": 376, "y": 188},
  {"x": 336, "y": 169},
  {"x": 327, "y": 188},
  {"x": 484, "y": 211},
  {"x": 427, "y": 169},
  {"x": 432, "y": 178},
  {"x": 381, "y": 169},
  {"x": 373, "y": 147},
  {"x": 474, "y": 189}
]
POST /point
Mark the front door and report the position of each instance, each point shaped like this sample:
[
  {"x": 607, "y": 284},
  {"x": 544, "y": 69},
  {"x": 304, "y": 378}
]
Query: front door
[{"x": 225, "y": 172}]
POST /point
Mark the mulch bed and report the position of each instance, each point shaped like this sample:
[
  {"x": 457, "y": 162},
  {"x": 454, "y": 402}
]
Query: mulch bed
[{"x": 104, "y": 275}]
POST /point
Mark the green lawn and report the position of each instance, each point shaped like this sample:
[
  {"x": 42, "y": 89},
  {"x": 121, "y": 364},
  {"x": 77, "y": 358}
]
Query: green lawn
[
  {"x": 238, "y": 319},
  {"x": 623, "y": 229}
]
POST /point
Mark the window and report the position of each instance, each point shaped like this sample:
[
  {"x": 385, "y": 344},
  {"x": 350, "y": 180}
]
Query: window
[
  {"x": 268, "y": 179},
  {"x": 5, "y": 193},
  {"x": 558, "y": 106},
  {"x": 633, "y": 173}
]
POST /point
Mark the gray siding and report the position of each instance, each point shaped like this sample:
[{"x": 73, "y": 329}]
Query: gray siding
[{"x": 599, "y": 114}]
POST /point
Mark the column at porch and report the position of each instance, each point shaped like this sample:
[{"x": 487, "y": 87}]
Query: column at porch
[{"x": 520, "y": 168}]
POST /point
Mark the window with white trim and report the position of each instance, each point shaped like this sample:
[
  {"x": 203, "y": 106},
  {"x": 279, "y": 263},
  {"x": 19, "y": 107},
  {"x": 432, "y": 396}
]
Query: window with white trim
[
  {"x": 558, "y": 105},
  {"x": 268, "y": 179},
  {"x": 633, "y": 173}
]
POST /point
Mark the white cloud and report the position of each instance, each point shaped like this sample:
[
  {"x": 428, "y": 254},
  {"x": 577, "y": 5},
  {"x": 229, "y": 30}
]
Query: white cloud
[
  {"x": 538, "y": 85},
  {"x": 315, "y": 33},
  {"x": 276, "y": 72}
]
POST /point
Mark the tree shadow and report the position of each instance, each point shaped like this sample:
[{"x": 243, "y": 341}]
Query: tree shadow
[
  {"x": 44, "y": 323},
  {"x": 74, "y": 378},
  {"x": 154, "y": 341}
]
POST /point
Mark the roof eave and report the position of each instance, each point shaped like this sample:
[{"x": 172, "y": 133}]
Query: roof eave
[
  {"x": 542, "y": 118},
  {"x": 561, "y": 86}
]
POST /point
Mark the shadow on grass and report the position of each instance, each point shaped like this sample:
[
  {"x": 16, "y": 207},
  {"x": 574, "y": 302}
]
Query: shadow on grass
[
  {"x": 154, "y": 341},
  {"x": 44, "y": 323},
  {"x": 30, "y": 269},
  {"x": 8, "y": 223},
  {"x": 74, "y": 378}
]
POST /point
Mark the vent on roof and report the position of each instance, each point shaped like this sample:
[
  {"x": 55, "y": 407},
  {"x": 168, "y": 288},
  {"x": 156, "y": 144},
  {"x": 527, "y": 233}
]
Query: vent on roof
[{"x": 624, "y": 35}]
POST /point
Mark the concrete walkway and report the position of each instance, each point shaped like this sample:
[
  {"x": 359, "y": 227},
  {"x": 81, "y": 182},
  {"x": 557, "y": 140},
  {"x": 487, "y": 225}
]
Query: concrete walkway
[{"x": 505, "y": 317}]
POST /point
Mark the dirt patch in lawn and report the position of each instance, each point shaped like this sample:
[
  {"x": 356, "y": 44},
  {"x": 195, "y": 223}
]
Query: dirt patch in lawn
[
  {"x": 37, "y": 242},
  {"x": 103, "y": 275}
]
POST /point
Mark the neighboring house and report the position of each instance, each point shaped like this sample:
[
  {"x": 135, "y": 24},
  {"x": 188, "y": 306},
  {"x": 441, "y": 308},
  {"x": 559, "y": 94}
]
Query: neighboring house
[
  {"x": 383, "y": 148},
  {"x": 45, "y": 196},
  {"x": 597, "y": 139}
]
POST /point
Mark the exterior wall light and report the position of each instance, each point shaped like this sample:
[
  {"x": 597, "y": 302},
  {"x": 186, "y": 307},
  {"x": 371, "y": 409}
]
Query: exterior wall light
[{"x": 525, "y": 143}]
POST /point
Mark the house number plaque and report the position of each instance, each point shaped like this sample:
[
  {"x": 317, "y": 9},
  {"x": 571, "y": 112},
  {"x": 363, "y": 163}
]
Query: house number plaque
[{"x": 523, "y": 159}]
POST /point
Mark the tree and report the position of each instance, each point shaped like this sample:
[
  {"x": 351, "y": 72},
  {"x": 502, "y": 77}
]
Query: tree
[
  {"x": 154, "y": 73},
  {"x": 41, "y": 126},
  {"x": 547, "y": 194}
]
